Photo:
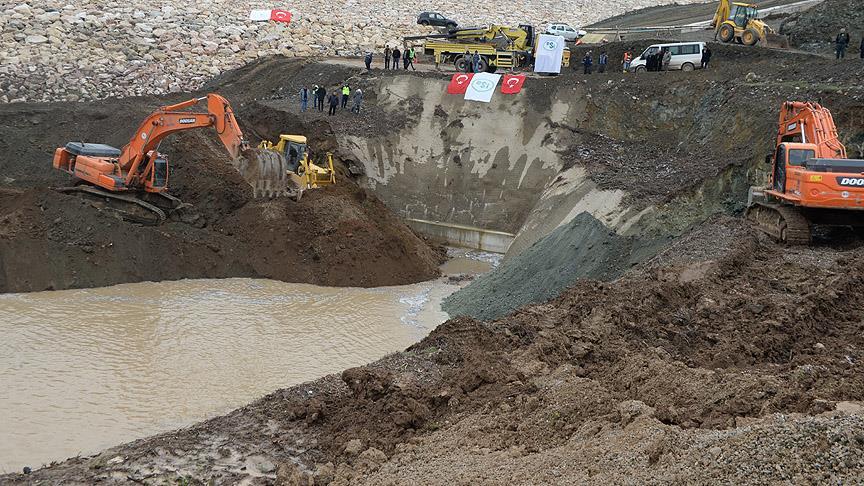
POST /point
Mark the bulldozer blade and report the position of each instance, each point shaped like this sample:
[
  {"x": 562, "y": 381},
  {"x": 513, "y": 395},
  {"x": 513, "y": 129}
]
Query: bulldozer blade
[{"x": 267, "y": 172}]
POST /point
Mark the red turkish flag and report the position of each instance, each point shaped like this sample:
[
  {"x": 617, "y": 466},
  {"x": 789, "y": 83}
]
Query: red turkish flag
[
  {"x": 512, "y": 84},
  {"x": 280, "y": 16},
  {"x": 459, "y": 83}
]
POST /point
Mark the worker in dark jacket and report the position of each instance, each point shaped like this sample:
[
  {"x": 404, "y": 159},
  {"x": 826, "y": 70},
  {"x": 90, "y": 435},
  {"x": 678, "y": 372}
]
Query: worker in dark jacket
[
  {"x": 368, "y": 61},
  {"x": 587, "y": 63},
  {"x": 651, "y": 61},
  {"x": 396, "y": 56},
  {"x": 334, "y": 103},
  {"x": 475, "y": 62},
  {"x": 706, "y": 57},
  {"x": 602, "y": 61},
  {"x": 321, "y": 94},
  {"x": 842, "y": 42},
  {"x": 387, "y": 53},
  {"x": 304, "y": 98}
]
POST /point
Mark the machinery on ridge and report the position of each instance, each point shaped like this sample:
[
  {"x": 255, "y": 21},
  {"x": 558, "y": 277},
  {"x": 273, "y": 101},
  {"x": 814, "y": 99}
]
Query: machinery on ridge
[
  {"x": 739, "y": 22},
  {"x": 811, "y": 182},
  {"x": 499, "y": 46}
]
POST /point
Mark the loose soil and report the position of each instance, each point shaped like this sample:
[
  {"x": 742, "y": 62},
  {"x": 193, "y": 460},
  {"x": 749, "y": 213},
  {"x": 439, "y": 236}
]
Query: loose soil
[
  {"x": 731, "y": 362},
  {"x": 816, "y": 28},
  {"x": 341, "y": 236},
  {"x": 724, "y": 359}
]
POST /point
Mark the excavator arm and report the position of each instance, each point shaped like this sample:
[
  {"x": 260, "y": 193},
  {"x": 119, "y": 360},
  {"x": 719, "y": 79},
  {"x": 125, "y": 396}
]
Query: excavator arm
[
  {"x": 171, "y": 119},
  {"x": 724, "y": 8},
  {"x": 807, "y": 122}
]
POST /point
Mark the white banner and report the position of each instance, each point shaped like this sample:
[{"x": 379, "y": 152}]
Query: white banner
[
  {"x": 260, "y": 15},
  {"x": 550, "y": 50},
  {"x": 482, "y": 87}
]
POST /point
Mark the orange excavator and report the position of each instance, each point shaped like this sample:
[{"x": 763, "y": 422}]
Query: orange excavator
[
  {"x": 812, "y": 181},
  {"x": 135, "y": 178}
]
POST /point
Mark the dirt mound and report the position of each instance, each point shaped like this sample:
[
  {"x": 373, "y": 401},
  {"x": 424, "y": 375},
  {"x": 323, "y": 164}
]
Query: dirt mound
[
  {"x": 685, "y": 359},
  {"x": 816, "y": 28},
  {"x": 338, "y": 236}
]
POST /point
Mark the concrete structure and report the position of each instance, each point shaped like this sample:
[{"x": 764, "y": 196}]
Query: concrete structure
[{"x": 463, "y": 236}]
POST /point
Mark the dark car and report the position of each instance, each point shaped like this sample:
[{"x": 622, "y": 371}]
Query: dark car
[{"x": 435, "y": 19}]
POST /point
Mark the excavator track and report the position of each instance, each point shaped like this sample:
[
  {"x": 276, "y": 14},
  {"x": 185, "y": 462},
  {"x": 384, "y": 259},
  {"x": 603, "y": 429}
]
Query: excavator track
[
  {"x": 784, "y": 223},
  {"x": 130, "y": 208}
]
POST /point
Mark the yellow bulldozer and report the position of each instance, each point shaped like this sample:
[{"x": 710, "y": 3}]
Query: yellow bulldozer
[
  {"x": 739, "y": 22},
  {"x": 304, "y": 173}
]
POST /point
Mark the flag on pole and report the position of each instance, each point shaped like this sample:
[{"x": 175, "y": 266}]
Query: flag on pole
[
  {"x": 512, "y": 83},
  {"x": 481, "y": 87},
  {"x": 550, "y": 51},
  {"x": 264, "y": 15},
  {"x": 459, "y": 83},
  {"x": 280, "y": 16}
]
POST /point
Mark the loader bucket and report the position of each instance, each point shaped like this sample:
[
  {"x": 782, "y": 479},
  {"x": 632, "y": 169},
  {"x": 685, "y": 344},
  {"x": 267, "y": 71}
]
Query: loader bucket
[
  {"x": 777, "y": 41},
  {"x": 267, "y": 172}
]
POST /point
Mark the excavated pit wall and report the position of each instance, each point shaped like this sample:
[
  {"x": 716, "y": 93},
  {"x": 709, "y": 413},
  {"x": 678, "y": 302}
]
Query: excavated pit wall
[
  {"x": 506, "y": 165},
  {"x": 465, "y": 163},
  {"x": 663, "y": 154}
]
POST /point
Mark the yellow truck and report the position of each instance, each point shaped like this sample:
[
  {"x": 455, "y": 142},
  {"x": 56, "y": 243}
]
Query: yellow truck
[{"x": 499, "y": 47}]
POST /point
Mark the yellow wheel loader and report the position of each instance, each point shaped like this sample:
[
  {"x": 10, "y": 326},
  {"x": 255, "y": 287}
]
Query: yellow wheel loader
[
  {"x": 738, "y": 22},
  {"x": 305, "y": 173}
]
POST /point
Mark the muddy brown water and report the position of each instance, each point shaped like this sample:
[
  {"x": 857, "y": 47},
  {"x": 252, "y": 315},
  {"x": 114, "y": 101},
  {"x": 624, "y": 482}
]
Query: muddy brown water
[{"x": 82, "y": 370}]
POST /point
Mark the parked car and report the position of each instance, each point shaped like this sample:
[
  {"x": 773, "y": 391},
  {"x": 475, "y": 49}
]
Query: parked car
[
  {"x": 686, "y": 56},
  {"x": 565, "y": 31},
  {"x": 435, "y": 19}
]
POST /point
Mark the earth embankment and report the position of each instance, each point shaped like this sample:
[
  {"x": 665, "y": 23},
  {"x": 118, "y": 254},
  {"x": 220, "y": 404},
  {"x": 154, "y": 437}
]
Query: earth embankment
[
  {"x": 340, "y": 235},
  {"x": 727, "y": 358}
]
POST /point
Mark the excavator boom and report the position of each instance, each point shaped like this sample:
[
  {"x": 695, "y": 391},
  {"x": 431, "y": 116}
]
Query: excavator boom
[
  {"x": 170, "y": 119},
  {"x": 139, "y": 167},
  {"x": 807, "y": 122}
]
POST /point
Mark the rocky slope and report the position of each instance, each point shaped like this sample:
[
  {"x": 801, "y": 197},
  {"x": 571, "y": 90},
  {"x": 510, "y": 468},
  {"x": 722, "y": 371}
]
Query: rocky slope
[
  {"x": 815, "y": 29},
  {"x": 57, "y": 50}
]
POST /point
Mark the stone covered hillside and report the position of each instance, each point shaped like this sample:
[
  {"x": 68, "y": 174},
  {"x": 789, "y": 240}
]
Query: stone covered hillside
[{"x": 90, "y": 49}]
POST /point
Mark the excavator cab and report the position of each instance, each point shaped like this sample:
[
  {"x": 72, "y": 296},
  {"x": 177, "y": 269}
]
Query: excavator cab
[
  {"x": 790, "y": 157},
  {"x": 160, "y": 173}
]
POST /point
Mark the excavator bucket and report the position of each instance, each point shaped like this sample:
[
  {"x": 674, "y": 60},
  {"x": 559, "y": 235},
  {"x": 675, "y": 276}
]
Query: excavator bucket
[{"x": 267, "y": 172}]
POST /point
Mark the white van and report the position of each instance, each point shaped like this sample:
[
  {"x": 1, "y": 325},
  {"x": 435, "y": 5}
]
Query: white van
[{"x": 686, "y": 56}]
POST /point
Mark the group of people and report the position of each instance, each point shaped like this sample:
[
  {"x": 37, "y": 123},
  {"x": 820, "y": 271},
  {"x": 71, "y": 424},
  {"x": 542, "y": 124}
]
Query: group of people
[
  {"x": 474, "y": 62},
  {"x": 658, "y": 60},
  {"x": 841, "y": 43},
  {"x": 588, "y": 62},
  {"x": 338, "y": 96},
  {"x": 392, "y": 57}
]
